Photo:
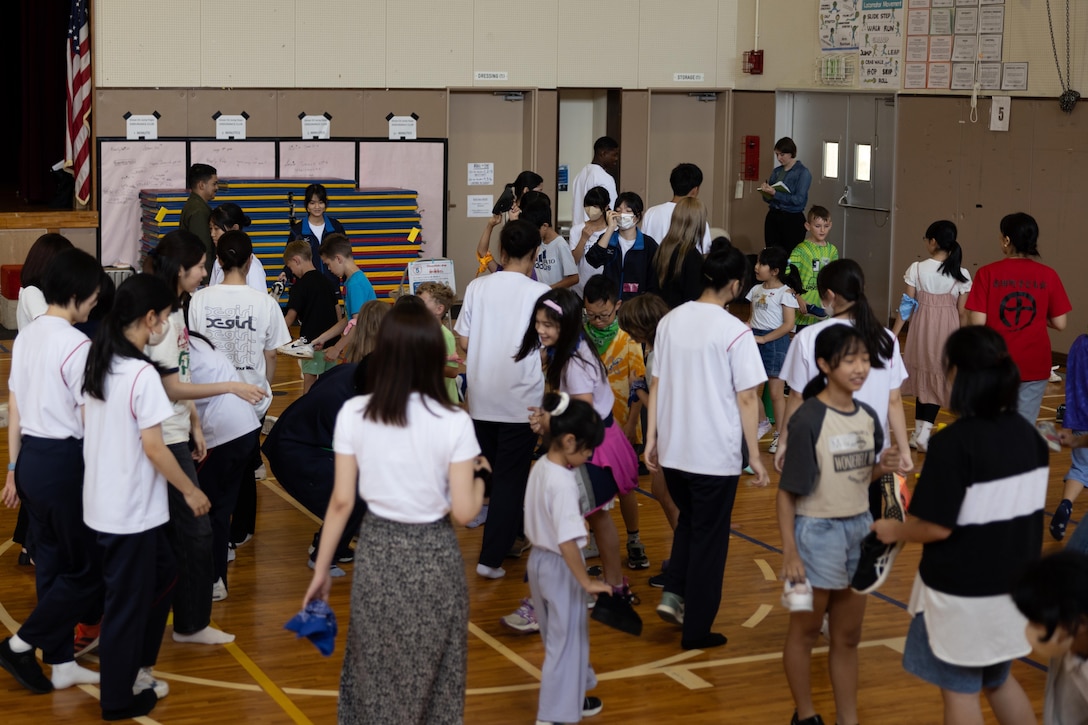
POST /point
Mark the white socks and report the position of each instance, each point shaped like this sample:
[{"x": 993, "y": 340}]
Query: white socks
[
  {"x": 67, "y": 674},
  {"x": 923, "y": 428},
  {"x": 18, "y": 646},
  {"x": 205, "y": 636},
  {"x": 490, "y": 572}
]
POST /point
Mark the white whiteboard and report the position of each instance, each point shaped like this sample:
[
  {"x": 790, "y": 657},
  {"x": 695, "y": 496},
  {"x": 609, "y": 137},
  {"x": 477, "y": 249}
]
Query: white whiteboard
[
  {"x": 126, "y": 167},
  {"x": 237, "y": 159},
  {"x": 418, "y": 165},
  {"x": 317, "y": 160}
]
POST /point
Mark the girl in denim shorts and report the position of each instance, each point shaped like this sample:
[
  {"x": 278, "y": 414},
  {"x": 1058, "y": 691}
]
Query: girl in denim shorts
[
  {"x": 774, "y": 306},
  {"x": 823, "y": 514}
]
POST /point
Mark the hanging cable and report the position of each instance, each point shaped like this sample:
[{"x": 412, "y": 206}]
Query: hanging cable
[{"x": 1067, "y": 101}]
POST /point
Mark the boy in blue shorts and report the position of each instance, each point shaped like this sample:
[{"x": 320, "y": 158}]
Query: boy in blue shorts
[
  {"x": 339, "y": 259},
  {"x": 312, "y": 303}
]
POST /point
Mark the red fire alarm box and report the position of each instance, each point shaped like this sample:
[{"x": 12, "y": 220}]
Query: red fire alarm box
[
  {"x": 753, "y": 62},
  {"x": 751, "y": 158}
]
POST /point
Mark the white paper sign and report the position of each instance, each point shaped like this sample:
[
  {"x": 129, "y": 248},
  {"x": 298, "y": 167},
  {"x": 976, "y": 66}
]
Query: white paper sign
[
  {"x": 142, "y": 127},
  {"x": 1014, "y": 77},
  {"x": 963, "y": 76},
  {"x": 480, "y": 174},
  {"x": 914, "y": 75},
  {"x": 989, "y": 76},
  {"x": 480, "y": 205},
  {"x": 918, "y": 49},
  {"x": 688, "y": 77},
  {"x": 402, "y": 127},
  {"x": 965, "y": 48},
  {"x": 992, "y": 19},
  {"x": 940, "y": 22},
  {"x": 967, "y": 20},
  {"x": 439, "y": 270},
  {"x": 990, "y": 47},
  {"x": 1000, "y": 107},
  {"x": 940, "y": 48},
  {"x": 316, "y": 127},
  {"x": 230, "y": 127},
  {"x": 940, "y": 75},
  {"x": 492, "y": 75}
]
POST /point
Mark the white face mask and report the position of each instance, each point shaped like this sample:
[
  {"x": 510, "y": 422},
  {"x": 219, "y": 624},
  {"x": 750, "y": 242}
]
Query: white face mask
[
  {"x": 593, "y": 213},
  {"x": 156, "y": 338},
  {"x": 626, "y": 221}
]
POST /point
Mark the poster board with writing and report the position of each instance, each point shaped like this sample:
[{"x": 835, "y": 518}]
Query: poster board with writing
[
  {"x": 317, "y": 160},
  {"x": 237, "y": 159}
]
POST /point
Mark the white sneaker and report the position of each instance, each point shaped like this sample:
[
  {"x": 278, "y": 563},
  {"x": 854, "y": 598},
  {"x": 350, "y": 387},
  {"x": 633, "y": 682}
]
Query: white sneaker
[
  {"x": 219, "y": 591},
  {"x": 765, "y": 426},
  {"x": 773, "y": 448},
  {"x": 145, "y": 681},
  {"x": 797, "y": 597},
  {"x": 913, "y": 442},
  {"x": 260, "y": 473},
  {"x": 231, "y": 553},
  {"x": 269, "y": 421},
  {"x": 298, "y": 348}
]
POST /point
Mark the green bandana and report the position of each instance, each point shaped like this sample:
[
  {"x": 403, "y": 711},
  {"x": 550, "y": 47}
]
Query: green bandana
[{"x": 601, "y": 339}]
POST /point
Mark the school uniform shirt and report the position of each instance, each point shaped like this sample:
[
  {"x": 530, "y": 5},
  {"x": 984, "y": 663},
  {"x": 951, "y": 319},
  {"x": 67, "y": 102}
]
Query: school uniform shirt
[
  {"x": 830, "y": 458},
  {"x": 1018, "y": 297},
  {"x": 255, "y": 277},
  {"x": 554, "y": 261},
  {"x": 172, "y": 354},
  {"x": 986, "y": 480},
  {"x": 47, "y": 363},
  {"x": 800, "y": 367},
  {"x": 123, "y": 493},
  {"x": 242, "y": 323},
  {"x": 404, "y": 471},
  {"x": 591, "y": 175},
  {"x": 31, "y": 306},
  {"x": 314, "y": 236},
  {"x": 313, "y": 298},
  {"x": 767, "y": 305},
  {"x": 495, "y": 313},
  {"x": 357, "y": 292},
  {"x": 657, "y": 220},
  {"x": 223, "y": 418},
  {"x": 702, "y": 357},
  {"x": 585, "y": 375},
  {"x": 553, "y": 514},
  {"x": 926, "y": 275},
  {"x": 809, "y": 258}
]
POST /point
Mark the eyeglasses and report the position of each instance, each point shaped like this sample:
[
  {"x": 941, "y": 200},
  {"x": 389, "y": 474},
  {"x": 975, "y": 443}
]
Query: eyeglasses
[{"x": 602, "y": 317}]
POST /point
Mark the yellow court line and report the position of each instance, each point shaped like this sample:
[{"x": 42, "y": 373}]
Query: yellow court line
[
  {"x": 768, "y": 572},
  {"x": 314, "y": 693},
  {"x": 278, "y": 490},
  {"x": 266, "y": 683},
  {"x": 759, "y": 616},
  {"x": 504, "y": 650}
]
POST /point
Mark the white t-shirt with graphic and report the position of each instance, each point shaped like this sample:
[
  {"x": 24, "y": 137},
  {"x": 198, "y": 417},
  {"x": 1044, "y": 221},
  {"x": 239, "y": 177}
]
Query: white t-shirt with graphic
[
  {"x": 242, "y": 323},
  {"x": 554, "y": 261},
  {"x": 767, "y": 306},
  {"x": 173, "y": 355}
]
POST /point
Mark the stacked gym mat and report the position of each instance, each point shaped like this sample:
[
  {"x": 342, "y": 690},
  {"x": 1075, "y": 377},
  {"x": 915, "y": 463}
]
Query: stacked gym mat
[{"x": 378, "y": 221}]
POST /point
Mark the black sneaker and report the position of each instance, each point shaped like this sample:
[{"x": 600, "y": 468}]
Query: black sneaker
[
  {"x": 657, "y": 581},
  {"x": 591, "y": 706},
  {"x": 142, "y": 704},
  {"x": 24, "y": 667},
  {"x": 615, "y": 611},
  {"x": 636, "y": 556},
  {"x": 1061, "y": 519},
  {"x": 520, "y": 546},
  {"x": 875, "y": 564},
  {"x": 814, "y": 720}
]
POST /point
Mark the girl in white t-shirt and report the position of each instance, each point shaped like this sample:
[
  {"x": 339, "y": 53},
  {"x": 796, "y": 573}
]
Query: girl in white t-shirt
[
  {"x": 774, "y": 305},
  {"x": 128, "y": 465},
  {"x": 229, "y": 217},
  {"x": 179, "y": 261},
  {"x": 409, "y": 454},
  {"x": 938, "y": 287},
  {"x": 557, "y": 571},
  {"x": 703, "y": 408},
  {"x": 45, "y": 438},
  {"x": 823, "y": 515}
]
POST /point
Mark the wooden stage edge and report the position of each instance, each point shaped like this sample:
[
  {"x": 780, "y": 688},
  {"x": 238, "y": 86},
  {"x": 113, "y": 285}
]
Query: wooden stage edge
[{"x": 52, "y": 221}]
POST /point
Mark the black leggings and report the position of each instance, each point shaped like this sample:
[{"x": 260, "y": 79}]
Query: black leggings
[{"x": 926, "y": 411}]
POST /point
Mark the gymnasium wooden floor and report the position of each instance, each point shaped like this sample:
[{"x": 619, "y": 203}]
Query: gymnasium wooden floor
[{"x": 267, "y": 676}]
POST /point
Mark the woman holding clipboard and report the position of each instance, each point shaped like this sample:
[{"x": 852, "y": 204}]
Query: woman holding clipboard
[{"x": 786, "y": 191}]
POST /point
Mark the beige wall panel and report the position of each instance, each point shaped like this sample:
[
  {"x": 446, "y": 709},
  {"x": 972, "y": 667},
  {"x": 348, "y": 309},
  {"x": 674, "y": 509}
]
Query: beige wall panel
[
  {"x": 345, "y": 107},
  {"x": 634, "y": 144},
  {"x": 598, "y": 47},
  {"x": 111, "y": 104},
  {"x": 681, "y": 130},
  {"x": 15, "y": 243},
  {"x": 753, "y": 115},
  {"x": 340, "y": 44},
  {"x": 528, "y": 49},
  {"x": 147, "y": 44},
  {"x": 789, "y": 41},
  {"x": 85, "y": 239},
  {"x": 677, "y": 37},
  {"x": 249, "y": 44},
  {"x": 544, "y": 158},
  {"x": 483, "y": 129},
  {"x": 722, "y": 178},
  {"x": 429, "y": 44},
  {"x": 950, "y": 168},
  {"x": 259, "y": 104},
  {"x": 729, "y": 43},
  {"x": 429, "y": 105}
]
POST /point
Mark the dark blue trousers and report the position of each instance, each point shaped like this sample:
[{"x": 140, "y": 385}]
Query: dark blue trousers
[
  {"x": 191, "y": 539},
  {"x": 138, "y": 570},
  {"x": 222, "y": 474},
  {"x": 509, "y": 449},
  {"x": 49, "y": 479}
]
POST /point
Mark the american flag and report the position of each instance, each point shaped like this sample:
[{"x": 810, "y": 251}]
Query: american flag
[{"x": 77, "y": 137}]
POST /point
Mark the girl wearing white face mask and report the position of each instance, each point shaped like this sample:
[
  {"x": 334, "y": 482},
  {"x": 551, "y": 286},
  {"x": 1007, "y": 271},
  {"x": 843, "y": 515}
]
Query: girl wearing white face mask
[
  {"x": 623, "y": 253},
  {"x": 597, "y": 204}
]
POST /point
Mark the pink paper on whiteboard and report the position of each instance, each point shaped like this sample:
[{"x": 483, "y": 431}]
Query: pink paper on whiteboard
[
  {"x": 317, "y": 160},
  {"x": 417, "y": 165}
]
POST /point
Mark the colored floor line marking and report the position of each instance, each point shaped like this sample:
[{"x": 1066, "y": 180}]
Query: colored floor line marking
[
  {"x": 278, "y": 490},
  {"x": 686, "y": 677},
  {"x": 759, "y": 616},
  {"x": 768, "y": 572},
  {"x": 266, "y": 683},
  {"x": 504, "y": 650}
]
